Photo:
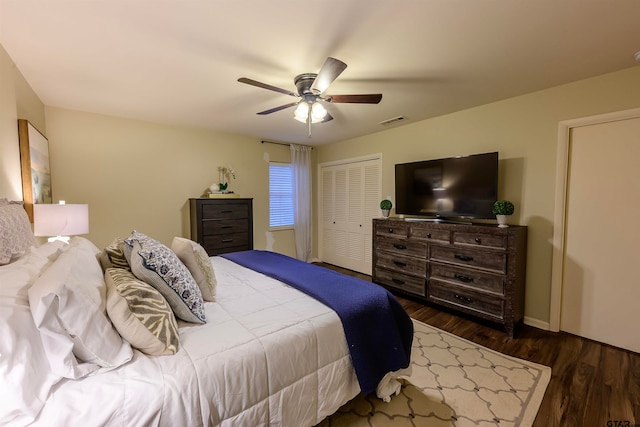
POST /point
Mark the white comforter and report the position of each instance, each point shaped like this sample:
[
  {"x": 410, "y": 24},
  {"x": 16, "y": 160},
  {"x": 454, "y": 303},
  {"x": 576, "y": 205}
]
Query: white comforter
[{"x": 268, "y": 356}]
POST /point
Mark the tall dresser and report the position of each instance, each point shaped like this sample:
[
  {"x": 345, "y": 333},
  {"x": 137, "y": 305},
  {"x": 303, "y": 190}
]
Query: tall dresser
[
  {"x": 475, "y": 269},
  {"x": 222, "y": 225}
]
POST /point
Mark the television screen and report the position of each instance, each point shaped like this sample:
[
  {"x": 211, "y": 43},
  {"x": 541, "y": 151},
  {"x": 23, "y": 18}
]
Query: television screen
[{"x": 456, "y": 187}]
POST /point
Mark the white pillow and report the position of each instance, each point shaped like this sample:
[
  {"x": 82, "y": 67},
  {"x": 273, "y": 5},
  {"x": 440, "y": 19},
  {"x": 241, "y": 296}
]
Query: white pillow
[
  {"x": 156, "y": 264},
  {"x": 16, "y": 236},
  {"x": 25, "y": 377},
  {"x": 196, "y": 259},
  {"x": 68, "y": 306}
]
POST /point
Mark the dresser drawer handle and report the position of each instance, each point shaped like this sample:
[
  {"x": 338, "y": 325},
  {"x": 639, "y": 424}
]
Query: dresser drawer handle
[
  {"x": 398, "y": 281},
  {"x": 428, "y": 235},
  {"x": 463, "y": 278},
  {"x": 465, "y": 258},
  {"x": 226, "y": 226},
  {"x": 400, "y": 263},
  {"x": 398, "y": 246},
  {"x": 463, "y": 299},
  {"x": 391, "y": 230},
  {"x": 227, "y": 240},
  {"x": 478, "y": 240},
  {"x": 226, "y": 211}
]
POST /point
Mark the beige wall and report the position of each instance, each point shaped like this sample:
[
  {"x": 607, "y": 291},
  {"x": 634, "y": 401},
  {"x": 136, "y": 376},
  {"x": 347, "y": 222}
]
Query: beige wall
[
  {"x": 139, "y": 175},
  {"x": 524, "y": 130},
  {"x": 17, "y": 101}
]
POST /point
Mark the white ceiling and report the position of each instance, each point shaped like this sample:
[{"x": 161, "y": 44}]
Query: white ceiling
[{"x": 178, "y": 61}]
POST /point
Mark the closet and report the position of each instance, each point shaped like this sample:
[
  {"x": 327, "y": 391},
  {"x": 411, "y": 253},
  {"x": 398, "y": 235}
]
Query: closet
[{"x": 349, "y": 197}]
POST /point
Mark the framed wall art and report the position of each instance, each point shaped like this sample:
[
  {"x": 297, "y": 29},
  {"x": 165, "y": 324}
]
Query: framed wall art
[{"x": 35, "y": 166}]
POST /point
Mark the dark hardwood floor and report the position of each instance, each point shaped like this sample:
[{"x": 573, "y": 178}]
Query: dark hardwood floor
[{"x": 592, "y": 384}]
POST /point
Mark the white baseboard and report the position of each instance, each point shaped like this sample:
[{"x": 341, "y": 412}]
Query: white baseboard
[{"x": 536, "y": 323}]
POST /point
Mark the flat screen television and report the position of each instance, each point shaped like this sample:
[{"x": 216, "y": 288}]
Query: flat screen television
[{"x": 456, "y": 187}]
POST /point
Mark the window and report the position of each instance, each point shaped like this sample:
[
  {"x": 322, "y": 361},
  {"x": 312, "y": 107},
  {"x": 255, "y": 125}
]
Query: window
[{"x": 280, "y": 195}]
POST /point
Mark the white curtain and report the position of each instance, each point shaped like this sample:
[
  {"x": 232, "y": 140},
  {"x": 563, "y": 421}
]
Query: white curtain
[{"x": 301, "y": 169}]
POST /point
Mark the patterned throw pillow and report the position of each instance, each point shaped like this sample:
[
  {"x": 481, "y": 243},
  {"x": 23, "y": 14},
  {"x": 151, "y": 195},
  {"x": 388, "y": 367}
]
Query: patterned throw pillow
[
  {"x": 140, "y": 313},
  {"x": 113, "y": 256},
  {"x": 16, "y": 236},
  {"x": 196, "y": 259},
  {"x": 154, "y": 263}
]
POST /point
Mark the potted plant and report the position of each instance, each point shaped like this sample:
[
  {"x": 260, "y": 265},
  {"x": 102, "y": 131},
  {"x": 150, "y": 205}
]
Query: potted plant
[
  {"x": 501, "y": 209},
  {"x": 386, "y": 206}
]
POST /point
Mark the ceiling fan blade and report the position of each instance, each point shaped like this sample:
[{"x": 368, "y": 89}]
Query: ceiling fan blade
[
  {"x": 273, "y": 110},
  {"x": 331, "y": 69},
  {"x": 266, "y": 86},
  {"x": 327, "y": 118},
  {"x": 372, "y": 98}
]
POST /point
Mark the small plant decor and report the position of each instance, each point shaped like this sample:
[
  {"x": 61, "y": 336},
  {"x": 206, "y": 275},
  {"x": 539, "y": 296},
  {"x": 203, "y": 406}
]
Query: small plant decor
[
  {"x": 225, "y": 173},
  {"x": 386, "y": 205},
  {"x": 503, "y": 207}
]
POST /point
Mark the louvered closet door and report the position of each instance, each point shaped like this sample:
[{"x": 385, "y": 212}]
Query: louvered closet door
[{"x": 350, "y": 197}]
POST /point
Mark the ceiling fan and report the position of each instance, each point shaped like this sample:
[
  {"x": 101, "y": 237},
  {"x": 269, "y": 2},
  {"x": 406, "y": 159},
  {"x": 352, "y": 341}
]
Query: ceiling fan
[{"x": 311, "y": 88}]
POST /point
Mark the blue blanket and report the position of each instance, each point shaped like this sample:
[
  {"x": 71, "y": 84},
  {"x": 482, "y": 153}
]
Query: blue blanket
[{"x": 379, "y": 332}]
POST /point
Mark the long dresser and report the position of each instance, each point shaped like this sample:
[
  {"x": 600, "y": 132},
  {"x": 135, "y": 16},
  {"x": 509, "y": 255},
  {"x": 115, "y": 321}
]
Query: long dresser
[
  {"x": 222, "y": 225},
  {"x": 473, "y": 268}
]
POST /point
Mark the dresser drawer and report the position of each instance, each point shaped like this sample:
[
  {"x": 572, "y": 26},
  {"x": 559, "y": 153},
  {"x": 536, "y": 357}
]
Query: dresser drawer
[
  {"x": 221, "y": 241},
  {"x": 433, "y": 235},
  {"x": 226, "y": 210},
  {"x": 483, "y": 240},
  {"x": 403, "y": 247},
  {"x": 225, "y": 226},
  {"x": 402, "y": 264},
  {"x": 489, "y": 260},
  {"x": 468, "y": 277},
  {"x": 393, "y": 230},
  {"x": 402, "y": 282},
  {"x": 447, "y": 294}
]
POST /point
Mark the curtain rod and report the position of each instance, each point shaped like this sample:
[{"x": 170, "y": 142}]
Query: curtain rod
[{"x": 284, "y": 143}]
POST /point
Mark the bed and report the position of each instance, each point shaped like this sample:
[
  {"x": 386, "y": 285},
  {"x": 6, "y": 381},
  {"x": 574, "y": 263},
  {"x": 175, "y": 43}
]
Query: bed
[{"x": 254, "y": 350}]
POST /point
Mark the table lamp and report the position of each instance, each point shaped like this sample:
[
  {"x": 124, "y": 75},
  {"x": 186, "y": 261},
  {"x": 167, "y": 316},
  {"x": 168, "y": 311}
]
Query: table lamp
[{"x": 59, "y": 221}]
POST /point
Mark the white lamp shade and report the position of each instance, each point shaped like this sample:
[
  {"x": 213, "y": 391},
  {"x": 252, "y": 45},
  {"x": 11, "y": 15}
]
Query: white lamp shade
[
  {"x": 60, "y": 220},
  {"x": 318, "y": 112},
  {"x": 302, "y": 112}
]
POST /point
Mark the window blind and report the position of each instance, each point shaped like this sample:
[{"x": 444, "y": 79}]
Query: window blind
[{"x": 280, "y": 195}]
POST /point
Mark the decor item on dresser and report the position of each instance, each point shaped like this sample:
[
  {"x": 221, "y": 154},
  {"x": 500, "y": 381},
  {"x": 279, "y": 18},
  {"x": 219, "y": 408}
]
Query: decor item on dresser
[
  {"x": 271, "y": 354},
  {"x": 225, "y": 173},
  {"x": 222, "y": 225},
  {"x": 477, "y": 269},
  {"x": 34, "y": 164},
  {"x": 501, "y": 209},
  {"x": 385, "y": 206}
]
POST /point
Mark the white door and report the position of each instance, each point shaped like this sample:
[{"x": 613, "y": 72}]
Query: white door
[
  {"x": 601, "y": 284},
  {"x": 350, "y": 195}
]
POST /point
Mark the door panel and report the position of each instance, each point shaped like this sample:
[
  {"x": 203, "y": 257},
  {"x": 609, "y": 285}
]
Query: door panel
[
  {"x": 350, "y": 196},
  {"x": 600, "y": 287}
]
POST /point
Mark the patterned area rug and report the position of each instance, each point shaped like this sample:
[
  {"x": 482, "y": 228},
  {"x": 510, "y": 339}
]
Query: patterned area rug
[{"x": 454, "y": 382}]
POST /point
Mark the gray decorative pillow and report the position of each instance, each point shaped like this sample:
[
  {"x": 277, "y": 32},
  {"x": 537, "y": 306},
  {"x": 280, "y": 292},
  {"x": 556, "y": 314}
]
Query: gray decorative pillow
[
  {"x": 140, "y": 313},
  {"x": 195, "y": 258},
  {"x": 16, "y": 236},
  {"x": 156, "y": 264}
]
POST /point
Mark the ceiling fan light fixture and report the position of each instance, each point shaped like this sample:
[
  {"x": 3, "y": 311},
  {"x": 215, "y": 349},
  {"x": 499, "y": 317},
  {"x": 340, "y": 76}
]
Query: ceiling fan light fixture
[
  {"x": 318, "y": 112},
  {"x": 301, "y": 113}
]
